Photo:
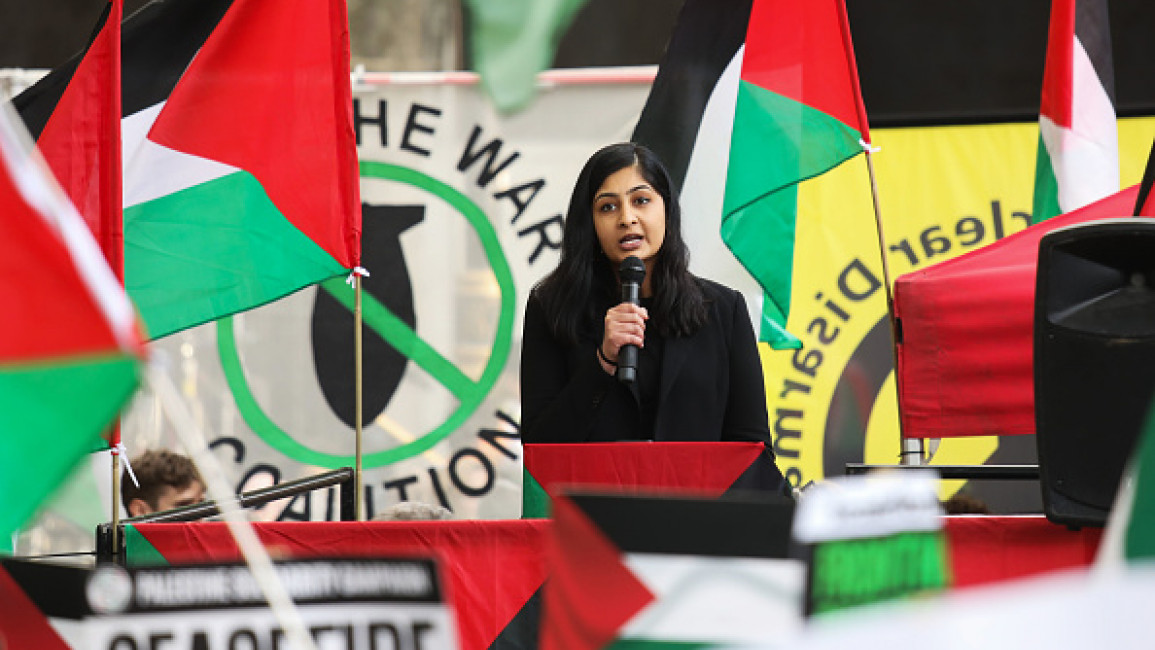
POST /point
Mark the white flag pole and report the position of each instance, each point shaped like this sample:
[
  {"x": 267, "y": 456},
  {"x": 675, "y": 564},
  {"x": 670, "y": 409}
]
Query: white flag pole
[{"x": 255, "y": 554}]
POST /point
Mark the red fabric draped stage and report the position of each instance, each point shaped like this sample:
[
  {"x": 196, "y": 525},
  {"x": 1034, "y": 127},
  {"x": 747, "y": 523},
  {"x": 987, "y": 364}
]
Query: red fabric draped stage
[
  {"x": 492, "y": 568},
  {"x": 965, "y": 361}
]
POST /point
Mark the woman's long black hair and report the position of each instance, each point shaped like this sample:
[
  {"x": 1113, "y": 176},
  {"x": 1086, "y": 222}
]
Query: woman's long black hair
[{"x": 584, "y": 282}]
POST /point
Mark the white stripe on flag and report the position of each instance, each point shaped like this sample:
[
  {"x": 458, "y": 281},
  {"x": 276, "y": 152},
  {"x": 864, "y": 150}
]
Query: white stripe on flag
[
  {"x": 705, "y": 189},
  {"x": 152, "y": 171},
  {"x": 1085, "y": 158},
  {"x": 717, "y": 599}
]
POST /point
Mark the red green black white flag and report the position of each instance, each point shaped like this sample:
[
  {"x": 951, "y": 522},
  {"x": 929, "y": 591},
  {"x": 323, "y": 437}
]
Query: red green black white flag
[
  {"x": 755, "y": 97},
  {"x": 240, "y": 179},
  {"x": 1078, "y": 158}
]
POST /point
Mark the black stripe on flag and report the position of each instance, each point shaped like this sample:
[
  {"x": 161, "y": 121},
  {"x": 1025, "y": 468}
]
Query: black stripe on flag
[
  {"x": 157, "y": 44},
  {"x": 36, "y": 104},
  {"x": 1093, "y": 30},
  {"x": 731, "y": 526},
  {"x": 706, "y": 37},
  {"x": 160, "y": 41}
]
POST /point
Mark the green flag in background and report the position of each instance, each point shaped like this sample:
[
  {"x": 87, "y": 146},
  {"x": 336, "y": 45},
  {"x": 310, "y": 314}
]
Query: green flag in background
[
  {"x": 512, "y": 41},
  {"x": 240, "y": 181}
]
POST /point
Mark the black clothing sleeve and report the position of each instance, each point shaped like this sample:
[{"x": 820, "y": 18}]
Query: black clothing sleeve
[
  {"x": 562, "y": 391},
  {"x": 745, "y": 419}
]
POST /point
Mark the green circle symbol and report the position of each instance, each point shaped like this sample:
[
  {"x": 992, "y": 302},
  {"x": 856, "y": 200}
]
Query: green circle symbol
[{"x": 469, "y": 392}]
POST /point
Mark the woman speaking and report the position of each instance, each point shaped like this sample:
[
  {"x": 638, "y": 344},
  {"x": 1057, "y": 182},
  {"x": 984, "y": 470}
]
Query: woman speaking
[{"x": 698, "y": 374}]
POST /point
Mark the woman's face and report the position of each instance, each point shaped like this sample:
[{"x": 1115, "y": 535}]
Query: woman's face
[{"x": 629, "y": 217}]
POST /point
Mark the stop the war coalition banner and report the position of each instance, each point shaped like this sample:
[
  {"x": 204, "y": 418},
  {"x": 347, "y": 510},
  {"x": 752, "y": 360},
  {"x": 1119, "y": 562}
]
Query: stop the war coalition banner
[{"x": 462, "y": 215}]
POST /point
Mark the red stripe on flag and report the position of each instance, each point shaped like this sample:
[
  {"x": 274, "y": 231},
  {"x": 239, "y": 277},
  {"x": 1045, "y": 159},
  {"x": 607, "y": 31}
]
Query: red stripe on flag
[
  {"x": 22, "y": 624},
  {"x": 802, "y": 50},
  {"x": 590, "y": 593},
  {"x": 269, "y": 93},
  {"x": 58, "y": 317},
  {"x": 81, "y": 140},
  {"x": 1059, "y": 73}
]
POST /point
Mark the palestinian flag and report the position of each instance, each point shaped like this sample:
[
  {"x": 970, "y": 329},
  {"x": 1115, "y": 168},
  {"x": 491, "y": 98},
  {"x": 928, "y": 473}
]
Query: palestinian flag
[
  {"x": 240, "y": 180},
  {"x": 708, "y": 470},
  {"x": 69, "y": 343},
  {"x": 755, "y": 96},
  {"x": 1078, "y": 159},
  {"x": 630, "y": 572}
]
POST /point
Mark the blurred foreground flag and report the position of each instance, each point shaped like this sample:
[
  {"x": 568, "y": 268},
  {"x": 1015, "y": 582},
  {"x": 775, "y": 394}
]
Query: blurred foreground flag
[
  {"x": 69, "y": 343},
  {"x": 512, "y": 41},
  {"x": 776, "y": 80},
  {"x": 1078, "y": 160},
  {"x": 677, "y": 572},
  {"x": 240, "y": 166},
  {"x": 1130, "y": 534},
  {"x": 871, "y": 539}
]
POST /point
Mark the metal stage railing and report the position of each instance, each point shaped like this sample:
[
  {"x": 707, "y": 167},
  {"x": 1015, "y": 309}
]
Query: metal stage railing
[
  {"x": 343, "y": 477},
  {"x": 966, "y": 472}
]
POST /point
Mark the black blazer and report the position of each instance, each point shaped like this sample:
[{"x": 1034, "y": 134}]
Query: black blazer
[{"x": 711, "y": 383}]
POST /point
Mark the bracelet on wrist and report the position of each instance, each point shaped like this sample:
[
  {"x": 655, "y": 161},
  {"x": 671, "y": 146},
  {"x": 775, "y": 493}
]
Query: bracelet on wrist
[{"x": 602, "y": 356}]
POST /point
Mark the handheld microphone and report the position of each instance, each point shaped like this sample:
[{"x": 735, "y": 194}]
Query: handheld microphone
[{"x": 631, "y": 273}]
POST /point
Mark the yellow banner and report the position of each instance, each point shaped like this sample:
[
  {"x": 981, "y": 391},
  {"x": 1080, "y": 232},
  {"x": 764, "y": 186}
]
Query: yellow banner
[{"x": 943, "y": 192}]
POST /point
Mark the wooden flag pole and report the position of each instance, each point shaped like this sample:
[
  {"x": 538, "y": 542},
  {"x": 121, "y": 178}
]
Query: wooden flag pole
[
  {"x": 358, "y": 498},
  {"x": 911, "y": 449}
]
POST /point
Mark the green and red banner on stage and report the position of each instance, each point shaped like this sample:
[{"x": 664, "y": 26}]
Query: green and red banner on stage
[
  {"x": 491, "y": 570},
  {"x": 674, "y": 468}
]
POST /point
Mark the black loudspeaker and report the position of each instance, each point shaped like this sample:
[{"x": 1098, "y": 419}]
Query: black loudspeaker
[{"x": 1094, "y": 361}]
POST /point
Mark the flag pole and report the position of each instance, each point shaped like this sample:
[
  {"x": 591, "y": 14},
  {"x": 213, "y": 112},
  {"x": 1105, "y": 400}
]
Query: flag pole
[
  {"x": 115, "y": 499},
  {"x": 358, "y": 494},
  {"x": 114, "y": 250},
  {"x": 911, "y": 451}
]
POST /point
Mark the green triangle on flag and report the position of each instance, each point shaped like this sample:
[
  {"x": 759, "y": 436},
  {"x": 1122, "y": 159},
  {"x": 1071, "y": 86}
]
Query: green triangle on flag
[{"x": 535, "y": 501}]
